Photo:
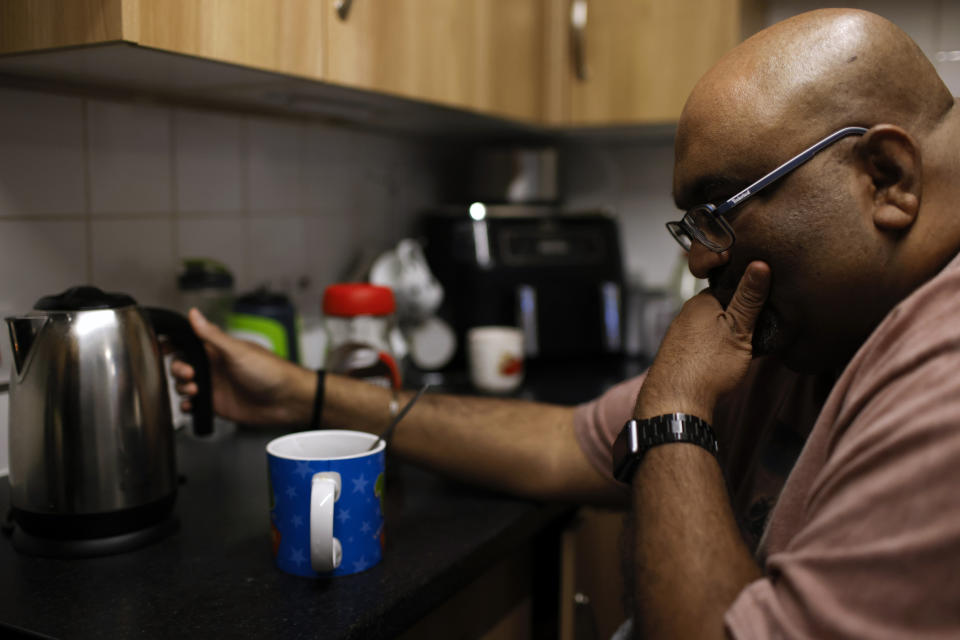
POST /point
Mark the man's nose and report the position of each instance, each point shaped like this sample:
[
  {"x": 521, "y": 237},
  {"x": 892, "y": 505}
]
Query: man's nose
[{"x": 702, "y": 260}]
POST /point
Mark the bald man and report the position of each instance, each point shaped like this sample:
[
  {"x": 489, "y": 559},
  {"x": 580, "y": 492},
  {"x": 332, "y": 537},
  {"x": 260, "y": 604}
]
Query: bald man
[{"x": 818, "y": 168}]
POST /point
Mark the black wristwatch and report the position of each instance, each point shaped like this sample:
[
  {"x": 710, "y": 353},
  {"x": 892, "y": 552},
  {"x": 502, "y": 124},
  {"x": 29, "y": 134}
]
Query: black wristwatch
[{"x": 639, "y": 436}]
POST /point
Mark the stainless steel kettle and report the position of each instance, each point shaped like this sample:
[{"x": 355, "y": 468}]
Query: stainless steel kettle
[{"x": 91, "y": 440}]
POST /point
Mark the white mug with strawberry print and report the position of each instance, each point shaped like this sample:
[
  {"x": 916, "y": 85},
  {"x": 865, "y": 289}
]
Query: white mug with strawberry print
[{"x": 496, "y": 358}]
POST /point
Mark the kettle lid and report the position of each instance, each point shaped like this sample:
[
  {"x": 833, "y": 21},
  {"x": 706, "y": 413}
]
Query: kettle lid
[{"x": 83, "y": 299}]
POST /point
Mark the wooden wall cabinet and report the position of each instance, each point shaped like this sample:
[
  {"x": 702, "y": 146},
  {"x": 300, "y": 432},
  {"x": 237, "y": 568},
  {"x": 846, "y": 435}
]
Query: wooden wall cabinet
[
  {"x": 276, "y": 35},
  {"x": 624, "y": 62},
  {"x": 545, "y": 62},
  {"x": 483, "y": 55}
]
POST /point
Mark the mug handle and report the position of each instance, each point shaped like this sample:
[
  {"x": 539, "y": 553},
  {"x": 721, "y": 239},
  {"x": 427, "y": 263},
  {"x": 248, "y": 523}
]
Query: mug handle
[{"x": 325, "y": 550}]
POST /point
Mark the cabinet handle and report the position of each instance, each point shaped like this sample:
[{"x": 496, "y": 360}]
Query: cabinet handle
[
  {"x": 343, "y": 8},
  {"x": 578, "y": 28},
  {"x": 584, "y": 618}
]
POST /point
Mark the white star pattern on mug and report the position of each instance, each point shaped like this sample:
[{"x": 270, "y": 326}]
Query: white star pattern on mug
[
  {"x": 366, "y": 527},
  {"x": 297, "y": 557},
  {"x": 361, "y": 564},
  {"x": 303, "y": 469},
  {"x": 360, "y": 484},
  {"x": 343, "y": 516},
  {"x": 297, "y": 521},
  {"x": 291, "y": 491}
]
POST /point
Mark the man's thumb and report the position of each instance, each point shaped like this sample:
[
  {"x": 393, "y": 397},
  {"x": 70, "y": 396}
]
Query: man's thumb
[
  {"x": 206, "y": 330},
  {"x": 749, "y": 298}
]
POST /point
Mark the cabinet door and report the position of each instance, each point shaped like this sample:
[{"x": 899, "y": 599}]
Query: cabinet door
[
  {"x": 635, "y": 61},
  {"x": 279, "y": 35},
  {"x": 28, "y": 25},
  {"x": 484, "y": 55}
]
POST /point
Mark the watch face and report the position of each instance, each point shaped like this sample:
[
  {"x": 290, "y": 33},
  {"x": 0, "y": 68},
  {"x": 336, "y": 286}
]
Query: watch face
[{"x": 625, "y": 452}]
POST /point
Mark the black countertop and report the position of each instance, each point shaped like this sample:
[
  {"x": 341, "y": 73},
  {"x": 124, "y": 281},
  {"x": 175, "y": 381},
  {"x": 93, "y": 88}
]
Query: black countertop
[{"x": 215, "y": 576}]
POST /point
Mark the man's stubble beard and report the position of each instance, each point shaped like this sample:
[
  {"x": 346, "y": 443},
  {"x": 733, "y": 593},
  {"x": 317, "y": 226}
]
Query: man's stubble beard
[{"x": 768, "y": 335}]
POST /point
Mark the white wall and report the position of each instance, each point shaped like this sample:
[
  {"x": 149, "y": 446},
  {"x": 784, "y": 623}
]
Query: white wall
[
  {"x": 634, "y": 179},
  {"x": 115, "y": 194}
]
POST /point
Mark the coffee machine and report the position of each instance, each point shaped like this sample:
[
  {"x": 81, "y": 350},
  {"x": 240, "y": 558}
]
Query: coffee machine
[{"x": 557, "y": 275}]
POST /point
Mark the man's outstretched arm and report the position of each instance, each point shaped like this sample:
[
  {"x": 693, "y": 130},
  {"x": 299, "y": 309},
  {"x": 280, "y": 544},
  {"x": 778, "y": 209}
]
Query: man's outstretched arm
[{"x": 520, "y": 447}]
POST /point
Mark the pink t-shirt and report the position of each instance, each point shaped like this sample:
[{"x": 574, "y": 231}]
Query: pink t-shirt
[{"x": 864, "y": 539}]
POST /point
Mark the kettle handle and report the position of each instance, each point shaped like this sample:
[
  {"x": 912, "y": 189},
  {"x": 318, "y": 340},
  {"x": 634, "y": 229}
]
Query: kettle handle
[{"x": 178, "y": 329}]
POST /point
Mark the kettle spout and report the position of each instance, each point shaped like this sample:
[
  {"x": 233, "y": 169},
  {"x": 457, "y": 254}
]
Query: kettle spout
[{"x": 23, "y": 331}]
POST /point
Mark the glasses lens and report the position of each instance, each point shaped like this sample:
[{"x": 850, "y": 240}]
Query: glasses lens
[
  {"x": 680, "y": 235},
  {"x": 716, "y": 235}
]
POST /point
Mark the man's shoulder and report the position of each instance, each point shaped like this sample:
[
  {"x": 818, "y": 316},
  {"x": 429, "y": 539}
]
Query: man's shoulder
[{"x": 905, "y": 377}]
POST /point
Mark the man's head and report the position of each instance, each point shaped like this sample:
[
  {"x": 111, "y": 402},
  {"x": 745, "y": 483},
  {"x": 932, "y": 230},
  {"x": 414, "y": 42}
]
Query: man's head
[{"x": 854, "y": 230}]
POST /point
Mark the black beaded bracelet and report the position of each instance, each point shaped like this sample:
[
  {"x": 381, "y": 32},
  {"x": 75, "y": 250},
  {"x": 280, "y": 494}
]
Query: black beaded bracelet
[{"x": 315, "y": 421}]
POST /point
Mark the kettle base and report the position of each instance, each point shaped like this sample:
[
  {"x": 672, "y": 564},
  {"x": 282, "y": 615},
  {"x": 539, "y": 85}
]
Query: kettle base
[{"x": 30, "y": 544}]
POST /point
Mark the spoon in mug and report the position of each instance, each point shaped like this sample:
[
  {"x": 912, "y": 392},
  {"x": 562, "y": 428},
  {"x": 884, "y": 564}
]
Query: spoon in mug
[{"x": 385, "y": 436}]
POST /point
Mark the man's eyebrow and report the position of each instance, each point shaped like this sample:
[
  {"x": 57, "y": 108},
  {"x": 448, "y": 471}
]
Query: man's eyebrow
[{"x": 710, "y": 188}]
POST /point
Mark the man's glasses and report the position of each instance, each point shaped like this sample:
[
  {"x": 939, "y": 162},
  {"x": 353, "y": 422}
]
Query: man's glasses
[{"x": 704, "y": 222}]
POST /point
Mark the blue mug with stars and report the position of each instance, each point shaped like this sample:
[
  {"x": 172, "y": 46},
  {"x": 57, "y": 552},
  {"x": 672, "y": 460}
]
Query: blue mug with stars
[{"x": 326, "y": 502}]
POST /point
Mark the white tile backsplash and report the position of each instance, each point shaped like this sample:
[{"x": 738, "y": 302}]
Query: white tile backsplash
[
  {"x": 276, "y": 253},
  {"x": 948, "y": 45},
  {"x": 209, "y": 162},
  {"x": 4, "y": 434},
  {"x": 948, "y": 33},
  {"x": 632, "y": 181},
  {"x": 331, "y": 188},
  {"x": 135, "y": 256},
  {"x": 372, "y": 208},
  {"x": 130, "y": 158},
  {"x": 41, "y": 154},
  {"x": 220, "y": 238},
  {"x": 287, "y": 202},
  {"x": 273, "y": 164},
  {"x": 332, "y": 247},
  {"x": 40, "y": 258}
]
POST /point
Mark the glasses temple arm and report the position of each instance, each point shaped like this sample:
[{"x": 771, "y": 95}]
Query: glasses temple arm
[{"x": 789, "y": 166}]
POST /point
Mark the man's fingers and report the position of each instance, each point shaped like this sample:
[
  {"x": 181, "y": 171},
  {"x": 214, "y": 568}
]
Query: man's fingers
[
  {"x": 181, "y": 370},
  {"x": 749, "y": 297},
  {"x": 187, "y": 388}
]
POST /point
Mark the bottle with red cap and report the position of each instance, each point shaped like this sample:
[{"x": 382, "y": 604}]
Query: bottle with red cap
[{"x": 358, "y": 318}]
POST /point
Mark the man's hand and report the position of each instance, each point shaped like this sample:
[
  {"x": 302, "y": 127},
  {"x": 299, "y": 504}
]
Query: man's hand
[
  {"x": 250, "y": 384},
  {"x": 690, "y": 562},
  {"x": 706, "y": 351}
]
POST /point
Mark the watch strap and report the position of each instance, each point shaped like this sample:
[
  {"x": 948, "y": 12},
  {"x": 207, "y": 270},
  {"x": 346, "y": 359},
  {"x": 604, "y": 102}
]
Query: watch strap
[{"x": 639, "y": 436}]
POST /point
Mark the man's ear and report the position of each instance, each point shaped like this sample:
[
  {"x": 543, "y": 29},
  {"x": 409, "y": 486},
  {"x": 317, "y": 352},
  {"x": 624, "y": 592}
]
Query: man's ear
[{"x": 891, "y": 159}]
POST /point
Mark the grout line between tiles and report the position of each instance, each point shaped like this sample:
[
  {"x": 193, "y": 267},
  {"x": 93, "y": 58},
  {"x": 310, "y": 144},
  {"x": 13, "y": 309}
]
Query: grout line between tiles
[
  {"x": 244, "y": 200},
  {"x": 174, "y": 190},
  {"x": 87, "y": 187}
]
